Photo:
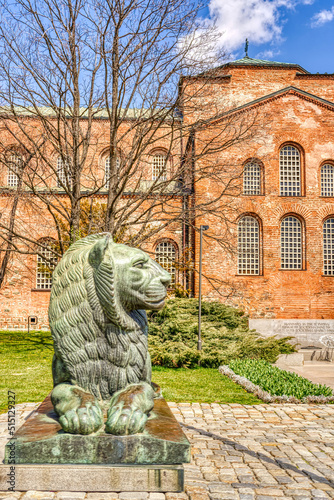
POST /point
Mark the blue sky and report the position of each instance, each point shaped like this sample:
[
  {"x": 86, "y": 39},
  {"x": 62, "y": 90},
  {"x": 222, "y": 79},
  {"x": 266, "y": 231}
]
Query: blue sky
[{"x": 300, "y": 31}]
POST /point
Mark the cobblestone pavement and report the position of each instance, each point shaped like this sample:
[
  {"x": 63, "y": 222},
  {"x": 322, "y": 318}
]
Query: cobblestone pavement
[{"x": 240, "y": 452}]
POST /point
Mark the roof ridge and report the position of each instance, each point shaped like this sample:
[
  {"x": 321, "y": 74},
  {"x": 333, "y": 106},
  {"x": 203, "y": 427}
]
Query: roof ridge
[{"x": 250, "y": 61}]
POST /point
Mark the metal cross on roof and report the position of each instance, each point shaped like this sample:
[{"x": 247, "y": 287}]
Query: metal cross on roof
[{"x": 246, "y": 48}]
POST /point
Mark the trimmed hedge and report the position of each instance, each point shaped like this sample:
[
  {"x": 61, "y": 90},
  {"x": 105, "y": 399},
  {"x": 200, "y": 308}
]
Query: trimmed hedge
[{"x": 173, "y": 335}]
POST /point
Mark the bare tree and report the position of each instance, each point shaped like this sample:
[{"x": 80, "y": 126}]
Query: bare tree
[{"x": 82, "y": 78}]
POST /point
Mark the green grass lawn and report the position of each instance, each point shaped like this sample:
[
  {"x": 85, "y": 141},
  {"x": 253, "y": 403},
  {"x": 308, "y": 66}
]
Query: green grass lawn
[
  {"x": 25, "y": 368},
  {"x": 202, "y": 385}
]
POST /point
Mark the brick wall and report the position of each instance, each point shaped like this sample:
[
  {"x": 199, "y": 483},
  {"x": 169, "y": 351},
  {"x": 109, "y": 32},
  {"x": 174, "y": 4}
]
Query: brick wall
[
  {"x": 291, "y": 117},
  {"x": 307, "y": 124}
]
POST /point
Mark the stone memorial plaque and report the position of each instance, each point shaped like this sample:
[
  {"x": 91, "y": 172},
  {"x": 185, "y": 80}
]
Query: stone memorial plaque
[{"x": 305, "y": 331}]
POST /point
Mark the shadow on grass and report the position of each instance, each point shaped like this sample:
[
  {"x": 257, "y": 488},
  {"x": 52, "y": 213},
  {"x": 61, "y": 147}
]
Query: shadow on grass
[{"x": 25, "y": 341}]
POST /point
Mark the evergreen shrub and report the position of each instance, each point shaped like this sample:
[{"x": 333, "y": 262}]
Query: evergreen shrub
[{"x": 173, "y": 335}]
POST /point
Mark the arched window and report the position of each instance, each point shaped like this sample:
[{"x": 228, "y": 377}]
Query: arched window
[
  {"x": 328, "y": 229},
  {"x": 159, "y": 167},
  {"x": 107, "y": 170},
  {"x": 15, "y": 165},
  {"x": 290, "y": 172},
  {"x": 252, "y": 179},
  {"x": 63, "y": 173},
  {"x": 165, "y": 255},
  {"x": 327, "y": 180},
  {"x": 46, "y": 262},
  {"x": 291, "y": 243},
  {"x": 248, "y": 245}
]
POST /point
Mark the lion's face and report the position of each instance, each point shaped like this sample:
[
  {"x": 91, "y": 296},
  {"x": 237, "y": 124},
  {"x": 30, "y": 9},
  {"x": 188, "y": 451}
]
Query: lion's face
[{"x": 142, "y": 282}]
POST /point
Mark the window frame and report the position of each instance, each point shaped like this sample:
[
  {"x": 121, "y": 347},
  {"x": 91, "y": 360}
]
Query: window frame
[
  {"x": 103, "y": 162},
  {"x": 301, "y": 169},
  {"x": 302, "y": 242},
  {"x": 328, "y": 218},
  {"x": 66, "y": 179},
  {"x": 253, "y": 161},
  {"x": 155, "y": 153},
  {"x": 41, "y": 277},
  {"x": 324, "y": 164},
  {"x": 11, "y": 175},
  {"x": 260, "y": 244},
  {"x": 176, "y": 250}
]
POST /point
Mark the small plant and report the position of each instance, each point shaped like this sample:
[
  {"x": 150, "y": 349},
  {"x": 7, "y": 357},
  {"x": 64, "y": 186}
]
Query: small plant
[{"x": 276, "y": 381}]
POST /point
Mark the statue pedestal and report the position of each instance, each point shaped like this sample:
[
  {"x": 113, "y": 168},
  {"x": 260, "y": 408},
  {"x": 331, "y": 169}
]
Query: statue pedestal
[{"x": 46, "y": 458}]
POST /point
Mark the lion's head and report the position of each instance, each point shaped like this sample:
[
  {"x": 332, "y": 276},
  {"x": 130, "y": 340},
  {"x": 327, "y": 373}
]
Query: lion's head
[
  {"x": 97, "y": 314},
  {"x": 138, "y": 281}
]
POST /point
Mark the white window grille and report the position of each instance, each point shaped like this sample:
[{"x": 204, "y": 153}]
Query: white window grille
[
  {"x": 63, "y": 174},
  {"x": 14, "y": 169},
  {"x": 165, "y": 255},
  {"x": 107, "y": 171},
  {"x": 159, "y": 167},
  {"x": 252, "y": 179},
  {"x": 46, "y": 262},
  {"x": 328, "y": 229},
  {"x": 291, "y": 243},
  {"x": 327, "y": 180},
  {"x": 290, "y": 179},
  {"x": 248, "y": 246}
]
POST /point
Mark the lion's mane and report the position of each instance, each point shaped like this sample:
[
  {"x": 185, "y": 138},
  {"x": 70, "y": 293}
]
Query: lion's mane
[{"x": 98, "y": 345}]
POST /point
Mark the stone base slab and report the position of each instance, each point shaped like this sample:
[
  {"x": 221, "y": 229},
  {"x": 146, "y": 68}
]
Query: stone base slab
[
  {"x": 99, "y": 478},
  {"x": 41, "y": 440}
]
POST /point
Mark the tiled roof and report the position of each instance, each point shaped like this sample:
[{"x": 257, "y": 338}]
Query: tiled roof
[
  {"x": 249, "y": 61},
  {"x": 132, "y": 113}
]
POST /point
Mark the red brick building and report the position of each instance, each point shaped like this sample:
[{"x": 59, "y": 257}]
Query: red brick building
[{"x": 282, "y": 265}]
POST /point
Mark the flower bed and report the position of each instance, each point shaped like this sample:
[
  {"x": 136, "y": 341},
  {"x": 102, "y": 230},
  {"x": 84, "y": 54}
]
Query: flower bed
[{"x": 271, "y": 384}]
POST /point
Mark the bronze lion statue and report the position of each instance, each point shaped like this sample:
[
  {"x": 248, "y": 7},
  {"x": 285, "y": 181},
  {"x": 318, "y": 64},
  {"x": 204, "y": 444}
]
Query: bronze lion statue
[{"x": 98, "y": 323}]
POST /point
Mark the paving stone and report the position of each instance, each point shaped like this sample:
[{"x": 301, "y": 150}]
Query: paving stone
[
  {"x": 199, "y": 496},
  {"x": 224, "y": 495},
  {"x": 10, "y": 495},
  {"x": 263, "y": 497},
  {"x": 70, "y": 495},
  {"x": 245, "y": 486},
  {"x": 133, "y": 495},
  {"x": 177, "y": 496},
  {"x": 105, "y": 496},
  {"x": 273, "y": 492},
  {"x": 318, "y": 494},
  {"x": 242, "y": 452},
  {"x": 296, "y": 493},
  {"x": 219, "y": 487},
  {"x": 196, "y": 489},
  {"x": 38, "y": 495}
]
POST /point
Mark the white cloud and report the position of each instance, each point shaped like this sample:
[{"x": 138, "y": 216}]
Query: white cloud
[
  {"x": 322, "y": 17},
  {"x": 267, "y": 54},
  {"x": 261, "y": 21}
]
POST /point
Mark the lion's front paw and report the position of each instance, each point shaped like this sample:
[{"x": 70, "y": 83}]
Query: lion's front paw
[
  {"x": 122, "y": 421},
  {"x": 84, "y": 420}
]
